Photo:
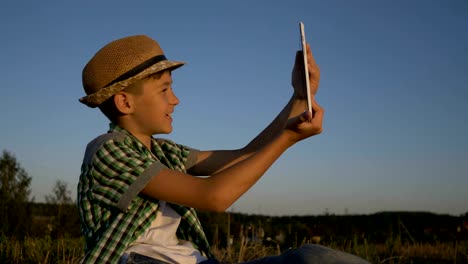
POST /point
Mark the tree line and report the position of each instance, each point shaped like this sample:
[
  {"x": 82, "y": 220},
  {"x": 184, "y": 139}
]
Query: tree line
[{"x": 58, "y": 217}]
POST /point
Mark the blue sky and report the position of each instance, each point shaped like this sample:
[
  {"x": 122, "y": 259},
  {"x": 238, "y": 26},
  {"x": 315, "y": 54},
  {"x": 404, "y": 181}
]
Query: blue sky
[{"x": 394, "y": 86}]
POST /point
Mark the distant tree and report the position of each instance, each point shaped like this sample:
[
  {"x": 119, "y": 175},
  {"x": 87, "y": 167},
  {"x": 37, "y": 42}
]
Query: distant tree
[
  {"x": 65, "y": 212},
  {"x": 14, "y": 197},
  {"x": 61, "y": 195}
]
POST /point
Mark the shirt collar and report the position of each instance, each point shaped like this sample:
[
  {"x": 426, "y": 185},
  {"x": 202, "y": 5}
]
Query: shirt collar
[
  {"x": 113, "y": 127},
  {"x": 155, "y": 148}
]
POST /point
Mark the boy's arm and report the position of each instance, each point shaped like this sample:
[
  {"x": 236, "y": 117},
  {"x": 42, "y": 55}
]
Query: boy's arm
[
  {"x": 210, "y": 162},
  {"x": 218, "y": 193}
]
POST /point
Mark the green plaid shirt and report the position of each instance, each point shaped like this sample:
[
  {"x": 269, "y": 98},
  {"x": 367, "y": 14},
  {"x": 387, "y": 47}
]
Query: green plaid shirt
[{"x": 116, "y": 167}]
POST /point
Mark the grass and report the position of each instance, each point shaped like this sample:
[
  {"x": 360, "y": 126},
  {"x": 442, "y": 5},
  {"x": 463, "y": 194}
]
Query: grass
[
  {"x": 41, "y": 250},
  {"x": 46, "y": 250}
]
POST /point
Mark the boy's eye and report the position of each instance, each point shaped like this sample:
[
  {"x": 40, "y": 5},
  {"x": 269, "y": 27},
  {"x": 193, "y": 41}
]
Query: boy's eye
[{"x": 166, "y": 89}]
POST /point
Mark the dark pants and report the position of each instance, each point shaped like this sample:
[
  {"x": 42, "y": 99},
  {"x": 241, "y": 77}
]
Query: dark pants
[
  {"x": 311, "y": 254},
  {"x": 307, "y": 254}
]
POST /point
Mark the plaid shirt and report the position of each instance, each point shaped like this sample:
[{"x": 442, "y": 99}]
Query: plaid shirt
[{"x": 116, "y": 167}]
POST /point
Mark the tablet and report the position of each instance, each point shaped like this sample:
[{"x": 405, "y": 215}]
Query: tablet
[{"x": 306, "y": 65}]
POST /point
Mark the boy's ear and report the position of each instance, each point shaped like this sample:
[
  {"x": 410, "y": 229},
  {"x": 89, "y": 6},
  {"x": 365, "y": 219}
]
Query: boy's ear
[{"x": 123, "y": 102}]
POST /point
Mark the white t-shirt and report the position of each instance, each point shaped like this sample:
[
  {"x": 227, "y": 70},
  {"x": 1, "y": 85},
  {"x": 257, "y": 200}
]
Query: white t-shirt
[{"x": 159, "y": 241}]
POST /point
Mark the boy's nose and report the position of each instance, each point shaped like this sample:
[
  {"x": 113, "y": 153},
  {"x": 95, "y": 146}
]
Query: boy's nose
[{"x": 174, "y": 99}]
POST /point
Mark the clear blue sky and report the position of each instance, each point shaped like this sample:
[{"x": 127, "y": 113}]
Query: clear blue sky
[{"x": 394, "y": 86}]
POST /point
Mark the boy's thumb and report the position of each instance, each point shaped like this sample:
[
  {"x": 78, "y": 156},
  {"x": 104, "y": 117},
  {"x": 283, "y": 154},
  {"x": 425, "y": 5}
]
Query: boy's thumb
[
  {"x": 297, "y": 120},
  {"x": 306, "y": 116}
]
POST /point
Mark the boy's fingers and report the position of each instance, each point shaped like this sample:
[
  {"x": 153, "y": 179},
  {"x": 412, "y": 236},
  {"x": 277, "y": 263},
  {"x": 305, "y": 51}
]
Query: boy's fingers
[{"x": 299, "y": 59}]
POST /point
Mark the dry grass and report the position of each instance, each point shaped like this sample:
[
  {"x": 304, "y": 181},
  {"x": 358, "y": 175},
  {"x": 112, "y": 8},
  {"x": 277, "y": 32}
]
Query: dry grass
[
  {"x": 394, "y": 251},
  {"x": 41, "y": 250},
  {"x": 244, "y": 251}
]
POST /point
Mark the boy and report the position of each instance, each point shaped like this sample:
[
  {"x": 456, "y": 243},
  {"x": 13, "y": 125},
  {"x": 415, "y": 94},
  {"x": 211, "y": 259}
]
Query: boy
[{"x": 136, "y": 194}]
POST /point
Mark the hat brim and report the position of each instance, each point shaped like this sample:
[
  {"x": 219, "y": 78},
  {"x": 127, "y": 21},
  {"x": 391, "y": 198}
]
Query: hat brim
[{"x": 95, "y": 99}]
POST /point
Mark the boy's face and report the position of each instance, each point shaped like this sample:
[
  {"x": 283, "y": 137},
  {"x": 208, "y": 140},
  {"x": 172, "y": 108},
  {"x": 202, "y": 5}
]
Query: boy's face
[{"x": 154, "y": 105}]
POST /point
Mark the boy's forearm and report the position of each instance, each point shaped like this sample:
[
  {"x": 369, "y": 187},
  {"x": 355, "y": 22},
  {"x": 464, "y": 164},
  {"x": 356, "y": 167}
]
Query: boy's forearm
[
  {"x": 271, "y": 131},
  {"x": 211, "y": 162},
  {"x": 293, "y": 108},
  {"x": 234, "y": 181}
]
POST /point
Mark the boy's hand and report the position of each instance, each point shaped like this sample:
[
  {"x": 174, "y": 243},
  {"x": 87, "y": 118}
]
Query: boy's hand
[
  {"x": 297, "y": 79},
  {"x": 305, "y": 124}
]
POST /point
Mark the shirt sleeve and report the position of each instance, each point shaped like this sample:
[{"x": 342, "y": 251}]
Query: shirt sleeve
[
  {"x": 179, "y": 155},
  {"x": 120, "y": 172}
]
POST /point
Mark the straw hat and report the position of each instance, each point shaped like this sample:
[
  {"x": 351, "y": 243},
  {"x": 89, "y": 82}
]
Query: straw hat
[{"x": 121, "y": 63}]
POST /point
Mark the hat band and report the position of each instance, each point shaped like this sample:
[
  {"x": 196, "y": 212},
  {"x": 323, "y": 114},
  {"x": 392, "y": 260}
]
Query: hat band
[{"x": 139, "y": 68}]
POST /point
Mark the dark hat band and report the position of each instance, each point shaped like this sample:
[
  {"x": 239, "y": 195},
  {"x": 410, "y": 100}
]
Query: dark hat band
[{"x": 139, "y": 68}]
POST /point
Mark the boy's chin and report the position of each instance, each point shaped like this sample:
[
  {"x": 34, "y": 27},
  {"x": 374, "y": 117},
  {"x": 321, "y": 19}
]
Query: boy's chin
[{"x": 165, "y": 131}]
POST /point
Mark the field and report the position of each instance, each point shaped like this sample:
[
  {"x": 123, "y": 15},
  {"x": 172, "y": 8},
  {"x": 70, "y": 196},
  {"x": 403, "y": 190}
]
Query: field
[{"x": 46, "y": 250}]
